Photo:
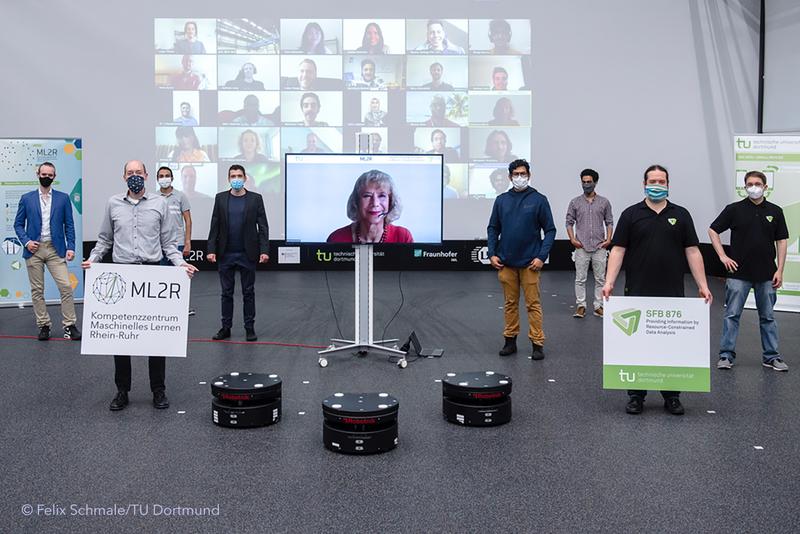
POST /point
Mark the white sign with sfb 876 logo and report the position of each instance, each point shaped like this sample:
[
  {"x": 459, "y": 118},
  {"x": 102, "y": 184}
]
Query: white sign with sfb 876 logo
[{"x": 137, "y": 310}]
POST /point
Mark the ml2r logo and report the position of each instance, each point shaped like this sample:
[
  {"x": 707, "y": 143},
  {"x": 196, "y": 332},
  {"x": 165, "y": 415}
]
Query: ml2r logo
[
  {"x": 110, "y": 288},
  {"x": 480, "y": 255},
  {"x": 627, "y": 320}
]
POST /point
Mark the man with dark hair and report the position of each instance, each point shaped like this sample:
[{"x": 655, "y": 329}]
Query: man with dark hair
[
  {"x": 45, "y": 227},
  {"x": 656, "y": 239},
  {"x": 593, "y": 222},
  {"x": 239, "y": 239},
  {"x": 756, "y": 226},
  {"x": 499, "y": 79},
  {"x": 310, "y": 106},
  {"x": 436, "y": 83},
  {"x": 251, "y": 115},
  {"x": 439, "y": 113},
  {"x": 500, "y": 37},
  {"x": 439, "y": 146},
  {"x": 186, "y": 118},
  {"x": 368, "y": 80},
  {"x": 518, "y": 252},
  {"x": 139, "y": 229}
]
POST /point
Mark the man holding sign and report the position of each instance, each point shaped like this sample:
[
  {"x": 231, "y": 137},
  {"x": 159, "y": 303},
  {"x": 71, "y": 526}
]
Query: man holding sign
[
  {"x": 655, "y": 238},
  {"x": 139, "y": 227}
]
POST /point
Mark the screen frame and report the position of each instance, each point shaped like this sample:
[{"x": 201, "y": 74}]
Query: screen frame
[{"x": 286, "y": 158}]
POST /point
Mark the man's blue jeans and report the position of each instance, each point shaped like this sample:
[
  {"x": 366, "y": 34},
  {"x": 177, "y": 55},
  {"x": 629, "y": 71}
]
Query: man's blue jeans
[{"x": 736, "y": 292}]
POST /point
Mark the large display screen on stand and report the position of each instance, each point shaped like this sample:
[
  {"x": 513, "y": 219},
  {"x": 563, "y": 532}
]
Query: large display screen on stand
[{"x": 364, "y": 198}]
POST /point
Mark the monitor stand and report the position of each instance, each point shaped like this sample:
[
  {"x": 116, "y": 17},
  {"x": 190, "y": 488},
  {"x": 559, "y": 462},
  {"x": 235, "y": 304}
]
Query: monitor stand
[{"x": 363, "y": 342}]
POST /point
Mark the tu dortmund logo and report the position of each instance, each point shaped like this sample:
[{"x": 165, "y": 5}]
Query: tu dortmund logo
[{"x": 627, "y": 320}]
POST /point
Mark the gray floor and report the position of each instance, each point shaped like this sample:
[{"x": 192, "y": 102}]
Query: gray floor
[{"x": 571, "y": 460}]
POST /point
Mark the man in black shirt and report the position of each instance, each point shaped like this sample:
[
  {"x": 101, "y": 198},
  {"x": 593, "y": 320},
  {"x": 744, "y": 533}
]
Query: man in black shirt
[
  {"x": 756, "y": 226},
  {"x": 656, "y": 239},
  {"x": 239, "y": 235}
]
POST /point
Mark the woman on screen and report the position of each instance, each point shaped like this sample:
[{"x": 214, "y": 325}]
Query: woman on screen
[
  {"x": 250, "y": 148},
  {"x": 313, "y": 40},
  {"x": 503, "y": 113},
  {"x": 188, "y": 149},
  {"x": 498, "y": 146},
  {"x": 244, "y": 80},
  {"x": 373, "y": 206},
  {"x": 372, "y": 42},
  {"x": 189, "y": 44}
]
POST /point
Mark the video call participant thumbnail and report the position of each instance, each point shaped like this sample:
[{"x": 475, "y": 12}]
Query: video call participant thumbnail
[{"x": 372, "y": 206}]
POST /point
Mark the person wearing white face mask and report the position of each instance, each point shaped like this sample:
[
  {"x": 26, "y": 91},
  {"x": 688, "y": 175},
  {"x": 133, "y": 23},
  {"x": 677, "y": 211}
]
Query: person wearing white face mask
[
  {"x": 179, "y": 210},
  {"x": 756, "y": 226},
  {"x": 239, "y": 238},
  {"x": 518, "y": 252}
]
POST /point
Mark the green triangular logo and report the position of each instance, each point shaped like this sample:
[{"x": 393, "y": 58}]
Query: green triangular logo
[
  {"x": 627, "y": 320},
  {"x": 672, "y": 221},
  {"x": 769, "y": 218},
  {"x": 76, "y": 196}
]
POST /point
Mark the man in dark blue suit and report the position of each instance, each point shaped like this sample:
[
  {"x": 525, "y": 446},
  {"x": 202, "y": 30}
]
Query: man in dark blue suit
[{"x": 44, "y": 225}]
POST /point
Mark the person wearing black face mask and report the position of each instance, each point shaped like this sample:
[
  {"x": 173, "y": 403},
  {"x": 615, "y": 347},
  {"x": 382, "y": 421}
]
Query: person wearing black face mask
[
  {"x": 139, "y": 227},
  {"x": 45, "y": 226},
  {"x": 593, "y": 222}
]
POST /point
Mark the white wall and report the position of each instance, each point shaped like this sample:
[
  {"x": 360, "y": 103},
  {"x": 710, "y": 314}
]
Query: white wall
[{"x": 618, "y": 85}]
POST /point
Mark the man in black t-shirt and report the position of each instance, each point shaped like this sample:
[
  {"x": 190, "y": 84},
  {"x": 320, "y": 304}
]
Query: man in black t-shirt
[
  {"x": 756, "y": 226},
  {"x": 656, "y": 239}
]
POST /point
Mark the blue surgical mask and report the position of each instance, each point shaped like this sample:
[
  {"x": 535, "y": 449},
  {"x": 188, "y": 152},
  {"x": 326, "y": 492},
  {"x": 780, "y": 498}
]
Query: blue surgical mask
[
  {"x": 656, "y": 192},
  {"x": 135, "y": 183},
  {"x": 237, "y": 184}
]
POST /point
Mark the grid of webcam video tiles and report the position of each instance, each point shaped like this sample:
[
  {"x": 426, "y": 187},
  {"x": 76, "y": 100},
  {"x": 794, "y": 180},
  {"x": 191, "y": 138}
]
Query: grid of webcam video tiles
[{"x": 248, "y": 91}]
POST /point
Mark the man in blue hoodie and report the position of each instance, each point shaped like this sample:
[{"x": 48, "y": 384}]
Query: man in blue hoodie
[{"x": 518, "y": 252}]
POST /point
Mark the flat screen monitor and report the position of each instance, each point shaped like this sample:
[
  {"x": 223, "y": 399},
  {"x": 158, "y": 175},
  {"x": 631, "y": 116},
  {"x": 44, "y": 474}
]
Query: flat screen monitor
[{"x": 364, "y": 198}]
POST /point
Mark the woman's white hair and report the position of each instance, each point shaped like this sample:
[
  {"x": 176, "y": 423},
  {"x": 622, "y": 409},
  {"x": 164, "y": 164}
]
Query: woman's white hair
[{"x": 374, "y": 176}]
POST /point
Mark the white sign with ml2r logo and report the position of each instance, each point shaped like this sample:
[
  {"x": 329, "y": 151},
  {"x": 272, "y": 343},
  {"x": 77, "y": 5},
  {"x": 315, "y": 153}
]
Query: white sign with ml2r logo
[{"x": 136, "y": 310}]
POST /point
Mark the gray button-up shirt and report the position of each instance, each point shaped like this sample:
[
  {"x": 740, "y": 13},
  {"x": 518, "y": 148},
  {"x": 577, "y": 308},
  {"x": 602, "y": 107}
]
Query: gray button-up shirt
[
  {"x": 590, "y": 220},
  {"x": 139, "y": 232}
]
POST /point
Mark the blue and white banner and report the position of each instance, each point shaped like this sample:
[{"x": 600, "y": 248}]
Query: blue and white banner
[{"x": 19, "y": 159}]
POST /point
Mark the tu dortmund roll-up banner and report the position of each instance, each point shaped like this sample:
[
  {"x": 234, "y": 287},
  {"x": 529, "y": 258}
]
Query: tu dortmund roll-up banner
[
  {"x": 19, "y": 159},
  {"x": 136, "y": 310},
  {"x": 778, "y": 157},
  {"x": 656, "y": 343}
]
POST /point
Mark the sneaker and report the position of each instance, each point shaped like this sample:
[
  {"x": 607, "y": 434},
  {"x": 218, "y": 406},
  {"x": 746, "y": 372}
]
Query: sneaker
[
  {"x": 510, "y": 347},
  {"x": 673, "y": 405},
  {"x": 224, "y": 333},
  {"x": 724, "y": 363},
  {"x": 191, "y": 312},
  {"x": 72, "y": 332},
  {"x": 160, "y": 401},
  {"x": 635, "y": 405},
  {"x": 580, "y": 312},
  {"x": 119, "y": 402},
  {"x": 44, "y": 333},
  {"x": 776, "y": 364},
  {"x": 598, "y": 312},
  {"x": 538, "y": 352},
  {"x": 250, "y": 334}
]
